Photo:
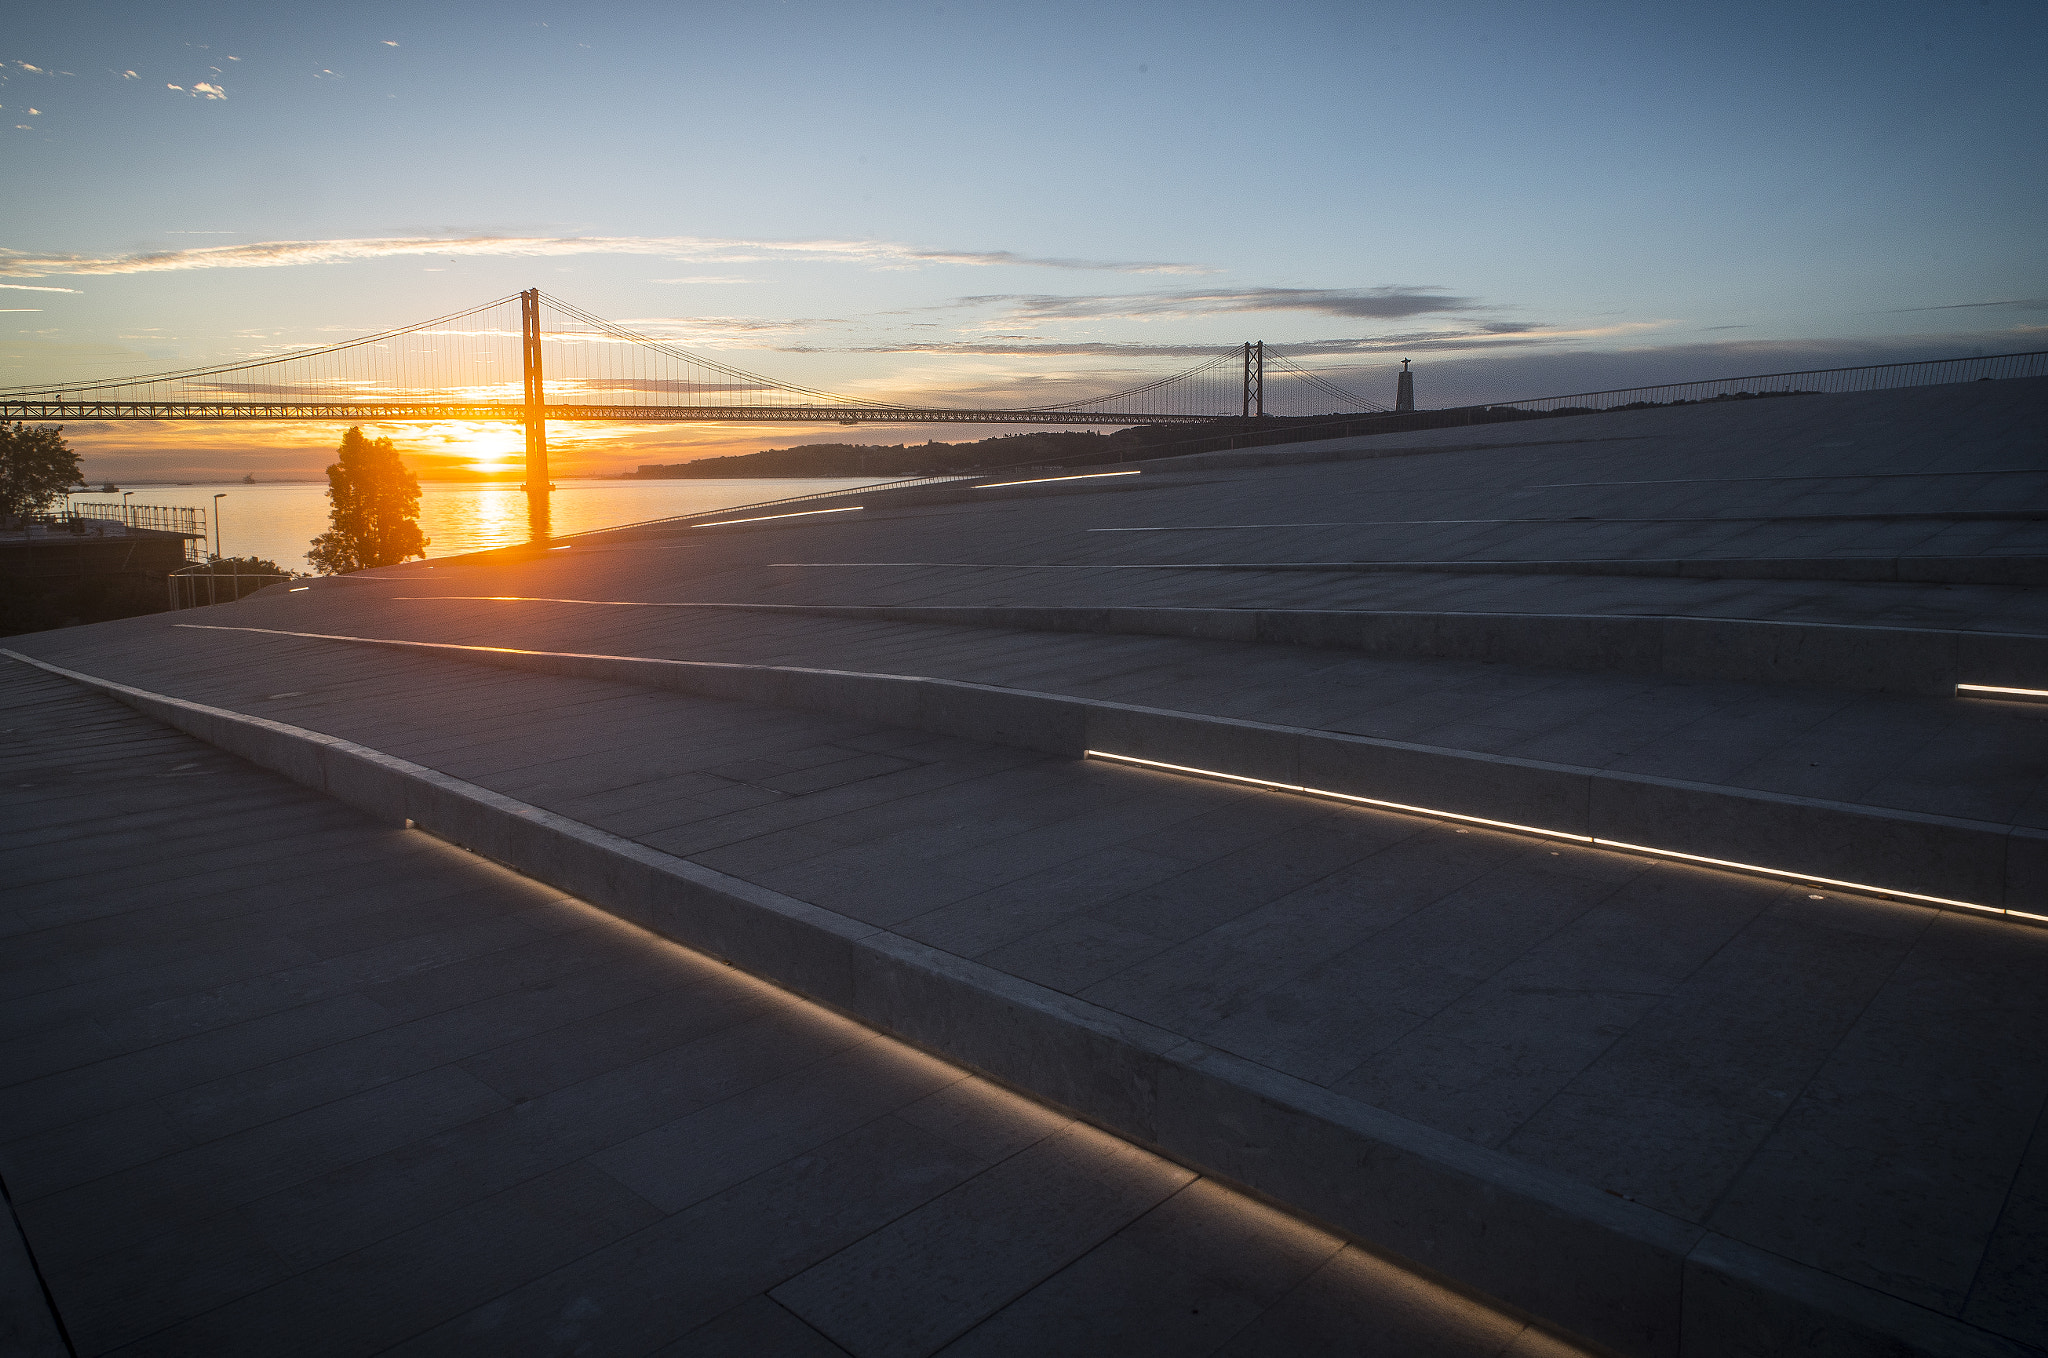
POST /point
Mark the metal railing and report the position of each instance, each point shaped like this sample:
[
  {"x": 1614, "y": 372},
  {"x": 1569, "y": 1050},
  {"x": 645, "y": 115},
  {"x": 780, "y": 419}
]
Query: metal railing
[
  {"x": 158, "y": 518},
  {"x": 1806, "y": 382},
  {"x": 188, "y": 585}
]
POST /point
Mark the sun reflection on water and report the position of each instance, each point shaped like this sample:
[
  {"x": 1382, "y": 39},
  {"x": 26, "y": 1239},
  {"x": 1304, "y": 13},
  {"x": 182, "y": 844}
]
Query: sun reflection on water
[
  {"x": 477, "y": 519},
  {"x": 277, "y": 520}
]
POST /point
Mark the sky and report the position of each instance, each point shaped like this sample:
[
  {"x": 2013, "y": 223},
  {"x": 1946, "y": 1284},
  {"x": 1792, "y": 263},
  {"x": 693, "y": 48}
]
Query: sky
[{"x": 1017, "y": 202}]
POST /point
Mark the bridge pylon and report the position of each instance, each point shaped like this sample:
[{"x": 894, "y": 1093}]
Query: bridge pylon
[
  {"x": 1255, "y": 379},
  {"x": 535, "y": 415}
]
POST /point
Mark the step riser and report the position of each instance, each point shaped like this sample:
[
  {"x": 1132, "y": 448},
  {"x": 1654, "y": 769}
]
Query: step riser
[
  {"x": 1954, "y": 862},
  {"x": 1864, "y": 659},
  {"x": 1614, "y": 1273}
]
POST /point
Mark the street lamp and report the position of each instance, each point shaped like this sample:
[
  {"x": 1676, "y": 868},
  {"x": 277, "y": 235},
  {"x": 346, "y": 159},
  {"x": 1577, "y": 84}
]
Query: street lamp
[
  {"x": 216, "y": 523},
  {"x": 124, "y": 507}
]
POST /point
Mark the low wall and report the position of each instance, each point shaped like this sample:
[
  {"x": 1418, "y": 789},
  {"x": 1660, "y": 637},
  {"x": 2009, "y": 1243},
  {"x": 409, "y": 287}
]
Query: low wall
[
  {"x": 1932, "y": 859},
  {"x": 1924, "y": 570},
  {"x": 1875, "y": 659}
]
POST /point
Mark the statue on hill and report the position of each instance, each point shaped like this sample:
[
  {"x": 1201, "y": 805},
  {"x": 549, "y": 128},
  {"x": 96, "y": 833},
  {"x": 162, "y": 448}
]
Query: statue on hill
[{"x": 376, "y": 509}]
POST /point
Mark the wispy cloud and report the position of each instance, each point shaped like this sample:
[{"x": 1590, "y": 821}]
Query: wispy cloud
[
  {"x": 30, "y": 287},
  {"x": 1492, "y": 335},
  {"x": 2023, "y": 303},
  {"x": 1382, "y": 303},
  {"x": 286, "y": 254},
  {"x": 722, "y": 330}
]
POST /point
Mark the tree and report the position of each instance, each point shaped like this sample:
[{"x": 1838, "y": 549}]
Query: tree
[
  {"x": 241, "y": 565},
  {"x": 376, "y": 507},
  {"x": 35, "y": 467}
]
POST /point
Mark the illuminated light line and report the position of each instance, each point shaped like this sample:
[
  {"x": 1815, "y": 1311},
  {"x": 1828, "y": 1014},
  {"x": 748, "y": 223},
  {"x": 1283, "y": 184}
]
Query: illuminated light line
[
  {"x": 1338, "y": 796},
  {"x": 1796, "y": 876},
  {"x": 534, "y": 599},
  {"x": 1037, "y": 566},
  {"x": 298, "y": 589},
  {"x": 2032, "y": 694},
  {"x": 1595, "y": 841},
  {"x": 1425, "y": 523},
  {"x": 1086, "y": 476},
  {"x": 1230, "y": 527},
  {"x": 800, "y": 514}
]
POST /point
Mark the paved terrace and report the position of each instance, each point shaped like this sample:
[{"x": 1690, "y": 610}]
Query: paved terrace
[
  {"x": 1828, "y": 1103},
  {"x": 285, "y": 1080}
]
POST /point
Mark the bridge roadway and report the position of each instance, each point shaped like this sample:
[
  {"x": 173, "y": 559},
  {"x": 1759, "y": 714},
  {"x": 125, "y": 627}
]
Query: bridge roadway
[
  {"x": 286, "y": 1080},
  {"x": 1670, "y": 1108},
  {"x": 344, "y": 411}
]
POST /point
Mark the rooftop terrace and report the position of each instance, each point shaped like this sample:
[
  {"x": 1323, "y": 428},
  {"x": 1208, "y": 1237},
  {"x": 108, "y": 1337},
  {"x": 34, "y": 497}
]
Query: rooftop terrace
[{"x": 1556, "y": 857}]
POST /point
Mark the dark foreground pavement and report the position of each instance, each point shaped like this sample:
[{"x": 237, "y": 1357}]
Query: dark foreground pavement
[{"x": 280, "y": 1079}]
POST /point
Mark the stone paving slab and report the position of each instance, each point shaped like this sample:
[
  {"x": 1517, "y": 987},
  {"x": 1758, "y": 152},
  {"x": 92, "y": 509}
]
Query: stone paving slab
[
  {"x": 646, "y": 1152},
  {"x": 1793, "y": 1079},
  {"x": 1333, "y": 946},
  {"x": 1933, "y": 756},
  {"x": 1974, "y": 448}
]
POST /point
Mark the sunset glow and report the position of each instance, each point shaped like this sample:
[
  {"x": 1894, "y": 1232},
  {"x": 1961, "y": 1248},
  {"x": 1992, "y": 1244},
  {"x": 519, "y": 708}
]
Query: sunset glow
[{"x": 928, "y": 251}]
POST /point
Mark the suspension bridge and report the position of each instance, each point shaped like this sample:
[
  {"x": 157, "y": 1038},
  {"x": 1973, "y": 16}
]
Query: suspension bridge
[{"x": 529, "y": 358}]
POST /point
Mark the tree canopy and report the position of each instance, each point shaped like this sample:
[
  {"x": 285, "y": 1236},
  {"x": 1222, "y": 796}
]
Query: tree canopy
[
  {"x": 240, "y": 565},
  {"x": 35, "y": 467},
  {"x": 376, "y": 504}
]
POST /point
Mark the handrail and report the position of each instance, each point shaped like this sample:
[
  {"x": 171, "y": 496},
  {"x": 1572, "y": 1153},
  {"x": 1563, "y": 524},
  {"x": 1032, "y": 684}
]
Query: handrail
[
  {"x": 1831, "y": 382},
  {"x": 184, "y": 583},
  {"x": 161, "y": 518},
  {"x": 1834, "y": 381}
]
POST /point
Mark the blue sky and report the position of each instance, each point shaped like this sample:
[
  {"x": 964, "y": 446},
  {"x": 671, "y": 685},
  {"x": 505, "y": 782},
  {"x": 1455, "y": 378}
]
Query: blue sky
[{"x": 912, "y": 199}]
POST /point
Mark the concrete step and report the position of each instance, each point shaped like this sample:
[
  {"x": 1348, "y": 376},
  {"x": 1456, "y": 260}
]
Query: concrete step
[
  {"x": 1631, "y": 1278},
  {"x": 1874, "y": 659},
  {"x": 1977, "y": 866}
]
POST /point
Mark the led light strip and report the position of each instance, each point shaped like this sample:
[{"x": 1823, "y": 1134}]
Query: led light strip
[
  {"x": 800, "y": 514},
  {"x": 2024, "y": 694},
  {"x": 1801, "y": 876},
  {"x": 1039, "y": 481},
  {"x": 1339, "y": 796},
  {"x": 1594, "y": 841}
]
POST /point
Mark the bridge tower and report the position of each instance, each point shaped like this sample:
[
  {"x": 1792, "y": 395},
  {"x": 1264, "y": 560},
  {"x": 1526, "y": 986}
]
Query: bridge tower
[
  {"x": 1255, "y": 379},
  {"x": 1404, "y": 390},
  {"x": 536, "y": 415}
]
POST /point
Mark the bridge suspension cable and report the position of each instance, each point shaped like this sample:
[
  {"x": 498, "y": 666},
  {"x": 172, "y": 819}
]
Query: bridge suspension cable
[
  {"x": 529, "y": 358},
  {"x": 475, "y": 364},
  {"x": 1353, "y": 401},
  {"x": 331, "y": 368}
]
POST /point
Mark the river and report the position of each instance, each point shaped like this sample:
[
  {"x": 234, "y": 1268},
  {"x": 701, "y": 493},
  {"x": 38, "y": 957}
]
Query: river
[{"x": 278, "y": 520}]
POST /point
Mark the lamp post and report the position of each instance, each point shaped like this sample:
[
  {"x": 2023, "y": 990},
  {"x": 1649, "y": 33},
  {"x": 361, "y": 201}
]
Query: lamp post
[
  {"x": 124, "y": 507},
  {"x": 216, "y": 523}
]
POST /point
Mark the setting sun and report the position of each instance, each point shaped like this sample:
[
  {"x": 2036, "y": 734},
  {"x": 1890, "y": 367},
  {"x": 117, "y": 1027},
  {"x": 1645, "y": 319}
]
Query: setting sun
[{"x": 486, "y": 447}]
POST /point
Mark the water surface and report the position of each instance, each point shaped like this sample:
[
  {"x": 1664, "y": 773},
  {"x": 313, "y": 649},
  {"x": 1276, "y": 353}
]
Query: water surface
[{"x": 279, "y": 520}]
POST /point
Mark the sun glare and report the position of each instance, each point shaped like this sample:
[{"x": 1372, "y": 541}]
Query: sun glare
[{"x": 487, "y": 447}]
